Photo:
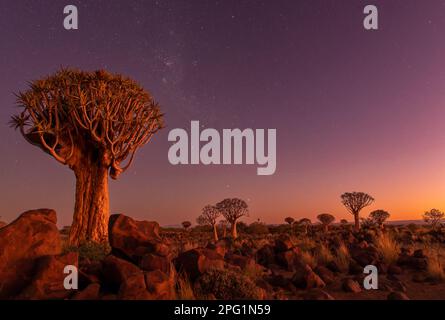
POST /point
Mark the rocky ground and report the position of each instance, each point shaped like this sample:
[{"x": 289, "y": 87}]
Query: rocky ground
[{"x": 142, "y": 261}]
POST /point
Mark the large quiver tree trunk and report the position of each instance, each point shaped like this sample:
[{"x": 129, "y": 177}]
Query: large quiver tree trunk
[{"x": 92, "y": 206}]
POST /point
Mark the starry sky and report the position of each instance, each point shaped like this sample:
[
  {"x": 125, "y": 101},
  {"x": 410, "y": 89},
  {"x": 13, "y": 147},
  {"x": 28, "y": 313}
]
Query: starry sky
[{"x": 354, "y": 110}]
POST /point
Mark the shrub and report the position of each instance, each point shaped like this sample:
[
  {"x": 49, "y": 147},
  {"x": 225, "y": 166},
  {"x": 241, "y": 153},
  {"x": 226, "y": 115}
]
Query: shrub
[
  {"x": 306, "y": 244},
  {"x": 227, "y": 285},
  {"x": 323, "y": 255},
  {"x": 309, "y": 259},
  {"x": 435, "y": 269},
  {"x": 433, "y": 217},
  {"x": 342, "y": 257},
  {"x": 90, "y": 250},
  {"x": 435, "y": 266}
]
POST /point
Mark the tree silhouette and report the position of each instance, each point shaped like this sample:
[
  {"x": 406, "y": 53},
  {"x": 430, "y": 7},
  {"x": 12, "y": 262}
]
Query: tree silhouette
[
  {"x": 355, "y": 202},
  {"x": 289, "y": 220},
  {"x": 232, "y": 210},
  {"x": 209, "y": 216},
  {"x": 433, "y": 217},
  {"x": 326, "y": 219},
  {"x": 92, "y": 122},
  {"x": 378, "y": 217},
  {"x": 186, "y": 224}
]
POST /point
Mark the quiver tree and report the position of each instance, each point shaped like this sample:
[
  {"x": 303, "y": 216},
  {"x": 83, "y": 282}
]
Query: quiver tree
[
  {"x": 186, "y": 224},
  {"x": 289, "y": 220},
  {"x": 355, "y": 202},
  {"x": 326, "y": 219},
  {"x": 92, "y": 122},
  {"x": 378, "y": 217},
  {"x": 232, "y": 210},
  {"x": 209, "y": 216}
]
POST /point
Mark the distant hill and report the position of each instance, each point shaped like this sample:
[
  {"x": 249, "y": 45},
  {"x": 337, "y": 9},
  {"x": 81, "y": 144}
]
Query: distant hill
[
  {"x": 172, "y": 226},
  {"x": 405, "y": 222}
]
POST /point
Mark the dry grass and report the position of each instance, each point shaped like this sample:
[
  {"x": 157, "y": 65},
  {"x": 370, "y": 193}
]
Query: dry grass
[
  {"x": 435, "y": 267},
  {"x": 184, "y": 288},
  {"x": 306, "y": 244},
  {"x": 309, "y": 259},
  {"x": 323, "y": 255},
  {"x": 342, "y": 258},
  {"x": 388, "y": 248}
]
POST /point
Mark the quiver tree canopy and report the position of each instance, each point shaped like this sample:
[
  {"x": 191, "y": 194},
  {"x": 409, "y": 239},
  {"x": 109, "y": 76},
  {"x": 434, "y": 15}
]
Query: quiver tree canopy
[{"x": 93, "y": 122}]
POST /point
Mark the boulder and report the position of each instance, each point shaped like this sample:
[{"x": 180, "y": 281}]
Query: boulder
[
  {"x": 398, "y": 286},
  {"x": 397, "y": 295},
  {"x": 151, "y": 262},
  {"x": 306, "y": 278},
  {"x": 125, "y": 278},
  {"x": 90, "y": 272},
  {"x": 419, "y": 254},
  {"x": 245, "y": 263},
  {"x": 355, "y": 268},
  {"x": 160, "y": 285},
  {"x": 419, "y": 278},
  {"x": 265, "y": 255},
  {"x": 317, "y": 294},
  {"x": 283, "y": 243},
  {"x": 48, "y": 280},
  {"x": 197, "y": 261},
  {"x": 394, "y": 269},
  {"x": 325, "y": 274},
  {"x": 263, "y": 284},
  {"x": 134, "y": 288},
  {"x": 413, "y": 262},
  {"x": 333, "y": 266},
  {"x": 31, "y": 236},
  {"x": 280, "y": 279},
  {"x": 364, "y": 255},
  {"x": 287, "y": 259},
  {"x": 220, "y": 246},
  {"x": 132, "y": 239},
  {"x": 350, "y": 285},
  {"x": 91, "y": 292},
  {"x": 116, "y": 271}
]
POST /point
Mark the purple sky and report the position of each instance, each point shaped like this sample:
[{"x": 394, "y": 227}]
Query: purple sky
[{"x": 354, "y": 110}]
